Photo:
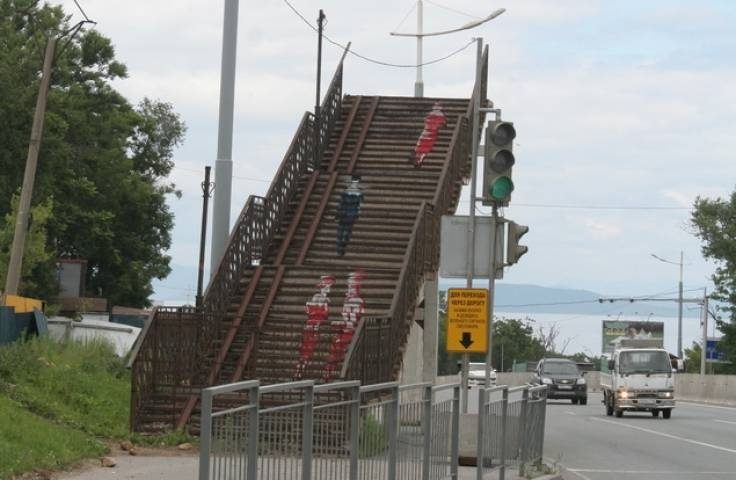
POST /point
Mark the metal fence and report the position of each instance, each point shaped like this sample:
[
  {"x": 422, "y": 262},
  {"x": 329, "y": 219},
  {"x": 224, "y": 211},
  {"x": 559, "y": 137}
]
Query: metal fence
[
  {"x": 510, "y": 428},
  {"x": 342, "y": 430}
]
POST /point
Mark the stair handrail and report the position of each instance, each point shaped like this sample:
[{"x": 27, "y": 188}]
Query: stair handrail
[
  {"x": 248, "y": 243},
  {"x": 163, "y": 363},
  {"x": 424, "y": 243},
  {"x": 390, "y": 327},
  {"x": 299, "y": 158}
]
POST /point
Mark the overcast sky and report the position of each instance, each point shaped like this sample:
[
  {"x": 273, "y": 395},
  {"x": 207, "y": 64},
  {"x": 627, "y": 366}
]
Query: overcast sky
[{"x": 616, "y": 104}]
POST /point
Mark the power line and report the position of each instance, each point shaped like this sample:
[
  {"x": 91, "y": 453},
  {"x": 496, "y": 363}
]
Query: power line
[
  {"x": 82, "y": 11},
  {"x": 592, "y": 207},
  {"x": 450, "y": 9},
  {"x": 413, "y": 7},
  {"x": 373, "y": 60},
  {"x": 252, "y": 179},
  {"x": 581, "y": 302}
]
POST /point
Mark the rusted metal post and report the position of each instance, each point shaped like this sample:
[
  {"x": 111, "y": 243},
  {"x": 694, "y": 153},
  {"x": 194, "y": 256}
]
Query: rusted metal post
[
  {"x": 317, "y": 109},
  {"x": 206, "y": 191}
]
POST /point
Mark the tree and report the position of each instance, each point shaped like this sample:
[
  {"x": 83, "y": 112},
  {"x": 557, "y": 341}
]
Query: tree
[
  {"x": 37, "y": 253},
  {"x": 714, "y": 221},
  {"x": 104, "y": 161}
]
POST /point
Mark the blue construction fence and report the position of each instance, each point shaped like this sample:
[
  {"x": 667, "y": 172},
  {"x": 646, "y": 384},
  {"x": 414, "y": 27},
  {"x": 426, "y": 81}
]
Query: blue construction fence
[{"x": 14, "y": 326}]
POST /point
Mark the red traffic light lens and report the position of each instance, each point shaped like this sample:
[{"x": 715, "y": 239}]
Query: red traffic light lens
[{"x": 503, "y": 134}]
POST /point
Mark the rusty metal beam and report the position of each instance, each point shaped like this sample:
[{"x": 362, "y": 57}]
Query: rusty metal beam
[
  {"x": 297, "y": 219},
  {"x": 317, "y": 217},
  {"x": 225, "y": 347},
  {"x": 363, "y": 134},
  {"x": 344, "y": 135}
]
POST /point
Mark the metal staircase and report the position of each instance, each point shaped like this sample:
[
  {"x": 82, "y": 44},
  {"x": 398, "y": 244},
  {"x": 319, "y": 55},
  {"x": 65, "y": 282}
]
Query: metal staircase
[{"x": 281, "y": 271}]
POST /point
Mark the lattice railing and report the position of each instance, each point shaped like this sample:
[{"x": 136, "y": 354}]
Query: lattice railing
[
  {"x": 168, "y": 359},
  {"x": 249, "y": 242}
]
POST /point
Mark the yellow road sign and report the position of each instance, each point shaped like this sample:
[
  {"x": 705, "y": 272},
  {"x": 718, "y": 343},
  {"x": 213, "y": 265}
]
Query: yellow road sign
[{"x": 467, "y": 320}]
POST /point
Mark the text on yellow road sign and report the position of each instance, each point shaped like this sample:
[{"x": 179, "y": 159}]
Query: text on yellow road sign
[{"x": 467, "y": 320}]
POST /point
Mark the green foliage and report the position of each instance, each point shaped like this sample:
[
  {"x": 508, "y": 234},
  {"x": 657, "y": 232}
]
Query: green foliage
[
  {"x": 104, "y": 161},
  {"x": 85, "y": 387},
  {"x": 512, "y": 338},
  {"x": 29, "y": 442},
  {"x": 37, "y": 272},
  {"x": 692, "y": 362},
  {"x": 372, "y": 437},
  {"x": 714, "y": 221}
]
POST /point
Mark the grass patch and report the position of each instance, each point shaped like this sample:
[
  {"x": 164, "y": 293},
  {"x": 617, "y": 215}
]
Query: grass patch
[
  {"x": 29, "y": 442},
  {"x": 83, "y": 386},
  {"x": 58, "y": 401}
]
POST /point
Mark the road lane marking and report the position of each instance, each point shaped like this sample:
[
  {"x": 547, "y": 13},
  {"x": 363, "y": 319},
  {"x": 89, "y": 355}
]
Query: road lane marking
[
  {"x": 704, "y": 405},
  {"x": 724, "y": 421},
  {"x": 561, "y": 465},
  {"x": 647, "y": 472},
  {"x": 570, "y": 412},
  {"x": 667, "y": 435}
]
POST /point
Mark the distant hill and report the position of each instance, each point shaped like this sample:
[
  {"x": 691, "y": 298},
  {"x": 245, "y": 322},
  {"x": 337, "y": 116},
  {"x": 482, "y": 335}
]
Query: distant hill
[
  {"x": 180, "y": 287},
  {"x": 536, "y": 299}
]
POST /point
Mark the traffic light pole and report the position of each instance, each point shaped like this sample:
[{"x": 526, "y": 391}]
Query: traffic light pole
[
  {"x": 491, "y": 292},
  {"x": 470, "y": 253}
]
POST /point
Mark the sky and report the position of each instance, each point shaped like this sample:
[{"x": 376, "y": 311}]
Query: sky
[{"x": 624, "y": 113}]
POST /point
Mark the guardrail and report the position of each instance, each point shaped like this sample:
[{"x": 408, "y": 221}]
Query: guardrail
[
  {"x": 343, "y": 430},
  {"x": 331, "y": 431},
  {"x": 510, "y": 428}
]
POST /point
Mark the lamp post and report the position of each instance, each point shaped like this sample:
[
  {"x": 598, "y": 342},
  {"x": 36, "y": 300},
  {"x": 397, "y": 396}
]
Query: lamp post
[
  {"x": 679, "y": 301},
  {"x": 420, "y": 34}
]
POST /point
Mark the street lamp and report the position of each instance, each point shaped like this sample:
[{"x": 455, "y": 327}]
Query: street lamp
[
  {"x": 679, "y": 301},
  {"x": 419, "y": 84}
]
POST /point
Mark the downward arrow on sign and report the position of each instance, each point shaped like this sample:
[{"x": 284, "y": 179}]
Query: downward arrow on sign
[{"x": 466, "y": 340}]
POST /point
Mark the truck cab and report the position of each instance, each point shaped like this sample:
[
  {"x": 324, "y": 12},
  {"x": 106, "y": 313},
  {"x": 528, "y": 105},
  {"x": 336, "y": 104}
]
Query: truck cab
[{"x": 641, "y": 378}]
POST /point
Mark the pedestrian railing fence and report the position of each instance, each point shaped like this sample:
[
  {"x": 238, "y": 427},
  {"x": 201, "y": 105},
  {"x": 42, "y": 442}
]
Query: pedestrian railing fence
[
  {"x": 343, "y": 430},
  {"x": 510, "y": 428}
]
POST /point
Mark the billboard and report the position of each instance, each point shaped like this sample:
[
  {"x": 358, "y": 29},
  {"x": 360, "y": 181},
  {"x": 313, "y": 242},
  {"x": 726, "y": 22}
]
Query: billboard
[{"x": 616, "y": 330}]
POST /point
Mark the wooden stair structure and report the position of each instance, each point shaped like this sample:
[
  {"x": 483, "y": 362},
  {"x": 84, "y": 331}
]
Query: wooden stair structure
[{"x": 252, "y": 320}]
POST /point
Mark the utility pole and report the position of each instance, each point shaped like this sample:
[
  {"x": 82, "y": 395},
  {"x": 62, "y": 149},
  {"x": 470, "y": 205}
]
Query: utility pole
[
  {"x": 21, "y": 223},
  {"x": 206, "y": 192},
  {"x": 419, "y": 84},
  {"x": 224, "y": 161},
  {"x": 704, "y": 350},
  {"x": 679, "y": 312},
  {"x": 317, "y": 107}
]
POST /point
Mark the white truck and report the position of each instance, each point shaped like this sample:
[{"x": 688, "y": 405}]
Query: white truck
[{"x": 640, "y": 378}]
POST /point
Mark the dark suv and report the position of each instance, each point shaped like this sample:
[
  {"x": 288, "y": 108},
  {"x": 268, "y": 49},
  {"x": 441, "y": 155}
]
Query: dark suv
[{"x": 563, "y": 379}]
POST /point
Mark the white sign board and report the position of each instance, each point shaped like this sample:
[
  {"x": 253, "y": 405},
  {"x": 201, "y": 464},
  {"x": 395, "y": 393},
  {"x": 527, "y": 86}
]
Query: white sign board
[{"x": 454, "y": 246}]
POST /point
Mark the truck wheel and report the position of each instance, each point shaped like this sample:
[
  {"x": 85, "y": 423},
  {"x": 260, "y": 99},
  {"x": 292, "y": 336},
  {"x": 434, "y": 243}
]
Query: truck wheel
[
  {"x": 574, "y": 401},
  {"x": 583, "y": 400},
  {"x": 655, "y": 413},
  {"x": 667, "y": 413},
  {"x": 618, "y": 411},
  {"x": 609, "y": 405}
]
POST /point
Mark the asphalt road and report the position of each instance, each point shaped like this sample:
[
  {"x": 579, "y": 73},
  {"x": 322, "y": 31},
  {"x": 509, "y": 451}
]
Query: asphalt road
[{"x": 698, "y": 442}]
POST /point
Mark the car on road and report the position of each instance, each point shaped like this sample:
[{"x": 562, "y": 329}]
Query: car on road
[
  {"x": 563, "y": 379},
  {"x": 477, "y": 375}
]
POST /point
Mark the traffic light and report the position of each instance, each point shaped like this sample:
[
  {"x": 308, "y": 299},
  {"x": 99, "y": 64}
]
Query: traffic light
[
  {"x": 514, "y": 251},
  {"x": 499, "y": 158}
]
